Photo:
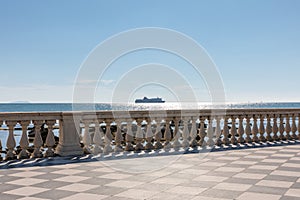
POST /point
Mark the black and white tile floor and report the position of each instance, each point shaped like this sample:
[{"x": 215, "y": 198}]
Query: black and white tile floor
[{"x": 251, "y": 173}]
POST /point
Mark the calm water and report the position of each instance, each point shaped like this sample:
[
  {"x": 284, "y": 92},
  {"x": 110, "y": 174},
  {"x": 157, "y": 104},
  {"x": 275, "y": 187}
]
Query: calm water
[{"x": 44, "y": 107}]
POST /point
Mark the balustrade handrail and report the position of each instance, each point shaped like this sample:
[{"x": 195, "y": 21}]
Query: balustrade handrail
[
  {"x": 19, "y": 116},
  {"x": 145, "y": 113}
]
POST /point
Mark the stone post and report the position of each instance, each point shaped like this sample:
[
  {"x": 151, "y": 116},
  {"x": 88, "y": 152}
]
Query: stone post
[
  {"x": 24, "y": 143},
  {"x": 50, "y": 140},
  {"x": 294, "y": 128},
  {"x": 11, "y": 142},
  {"x": 262, "y": 129},
  {"x": 158, "y": 135},
  {"x": 275, "y": 128},
  {"x": 69, "y": 142},
  {"x": 225, "y": 140},
  {"x": 254, "y": 130},
  {"x": 193, "y": 133},
  {"x": 185, "y": 134},
  {"x": 233, "y": 131},
  {"x": 287, "y": 127},
  {"x": 269, "y": 129},
  {"x": 248, "y": 130},
  {"x": 241, "y": 130}
]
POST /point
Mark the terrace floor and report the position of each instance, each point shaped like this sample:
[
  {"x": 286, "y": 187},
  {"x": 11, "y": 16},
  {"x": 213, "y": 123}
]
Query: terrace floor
[{"x": 249, "y": 173}]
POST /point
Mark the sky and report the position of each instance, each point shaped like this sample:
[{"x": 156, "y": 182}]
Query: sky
[{"x": 254, "y": 44}]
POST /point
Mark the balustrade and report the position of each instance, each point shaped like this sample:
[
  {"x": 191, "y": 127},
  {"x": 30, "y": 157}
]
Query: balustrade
[{"x": 112, "y": 133}]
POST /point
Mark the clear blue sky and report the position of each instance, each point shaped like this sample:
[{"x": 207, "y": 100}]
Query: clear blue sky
[{"x": 255, "y": 44}]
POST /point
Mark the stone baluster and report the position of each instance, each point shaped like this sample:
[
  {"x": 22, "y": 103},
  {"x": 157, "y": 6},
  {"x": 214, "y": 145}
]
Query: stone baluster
[
  {"x": 210, "y": 132},
  {"x": 168, "y": 136},
  {"x": 38, "y": 141},
  {"x": 149, "y": 136},
  {"x": 225, "y": 132},
  {"x": 281, "y": 128},
  {"x": 107, "y": 138},
  {"x": 288, "y": 127},
  {"x": 261, "y": 129},
  {"x": 269, "y": 129},
  {"x": 298, "y": 129},
  {"x": 158, "y": 135},
  {"x": 241, "y": 130},
  {"x": 193, "y": 133},
  {"x": 24, "y": 143},
  {"x": 275, "y": 128},
  {"x": 176, "y": 143},
  {"x": 254, "y": 130},
  {"x": 185, "y": 134},
  {"x": 248, "y": 130},
  {"x": 218, "y": 132},
  {"x": 294, "y": 128},
  {"x": 86, "y": 137},
  {"x": 98, "y": 138},
  {"x": 1, "y": 150},
  {"x": 139, "y": 137},
  {"x": 129, "y": 136},
  {"x": 202, "y": 133},
  {"x": 50, "y": 140},
  {"x": 233, "y": 132},
  {"x": 118, "y": 138},
  {"x": 11, "y": 142}
]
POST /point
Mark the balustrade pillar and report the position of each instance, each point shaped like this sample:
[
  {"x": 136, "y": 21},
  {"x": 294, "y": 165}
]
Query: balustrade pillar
[
  {"x": 269, "y": 129},
  {"x": 24, "y": 143},
  {"x": 177, "y": 135},
  {"x": 69, "y": 140},
  {"x": 254, "y": 130},
  {"x": 158, "y": 135},
  {"x": 193, "y": 133},
  {"x": 210, "y": 133},
  {"x": 139, "y": 137},
  {"x": 1, "y": 150},
  {"x": 185, "y": 134},
  {"x": 275, "y": 128},
  {"x": 11, "y": 142},
  {"x": 129, "y": 136},
  {"x": 294, "y": 128},
  {"x": 241, "y": 130},
  {"x": 248, "y": 130},
  {"x": 287, "y": 127},
  {"x": 98, "y": 138},
  {"x": 281, "y": 128},
  {"x": 118, "y": 138},
  {"x": 149, "y": 136},
  {"x": 262, "y": 129},
  {"x": 202, "y": 133},
  {"x": 233, "y": 132},
  {"x": 50, "y": 140},
  {"x": 298, "y": 127},
  {"x": 168, "y": 136},
  {"x": 107, "y": 138},
  {"x": 225, "y": 132},
  {"x": 38, "y": 141},
  {"x": 218, "y": 132},
  {"x": 86, "y": 137}
]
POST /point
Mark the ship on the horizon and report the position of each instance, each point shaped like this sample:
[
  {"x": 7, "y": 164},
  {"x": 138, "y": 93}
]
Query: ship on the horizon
[{"x": 150, "y": 100}]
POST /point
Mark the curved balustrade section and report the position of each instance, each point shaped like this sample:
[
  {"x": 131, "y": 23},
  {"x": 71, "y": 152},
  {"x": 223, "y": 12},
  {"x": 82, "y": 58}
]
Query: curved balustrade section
[{"x": 32, "y": 135}]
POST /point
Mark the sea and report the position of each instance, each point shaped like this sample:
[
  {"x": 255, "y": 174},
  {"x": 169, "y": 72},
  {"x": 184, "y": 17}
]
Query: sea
[{"x": 59, "y": 107}]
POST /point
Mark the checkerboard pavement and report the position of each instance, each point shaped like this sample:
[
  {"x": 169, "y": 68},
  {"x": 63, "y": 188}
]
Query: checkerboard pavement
[{"x": 251, "y": 173}]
